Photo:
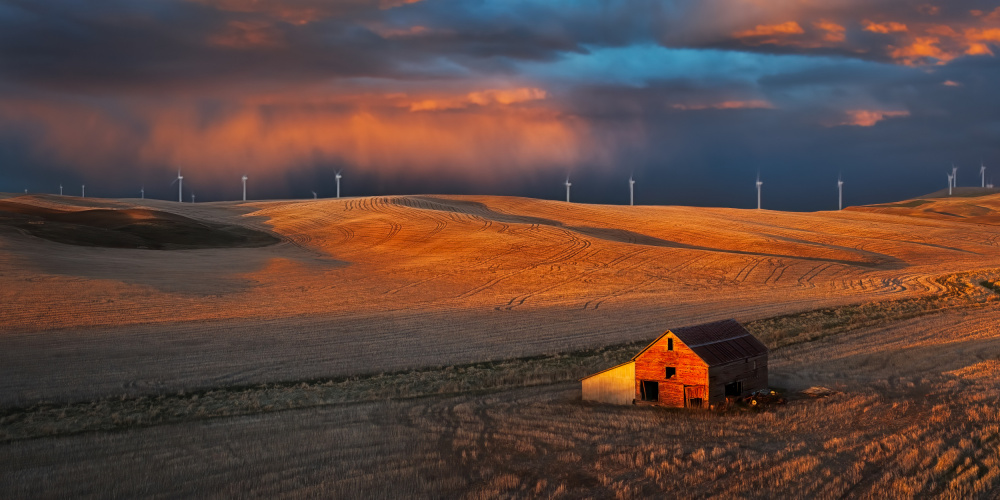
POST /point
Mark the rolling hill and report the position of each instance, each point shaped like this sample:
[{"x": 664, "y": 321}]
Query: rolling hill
[{"x": 363, "y": 285}]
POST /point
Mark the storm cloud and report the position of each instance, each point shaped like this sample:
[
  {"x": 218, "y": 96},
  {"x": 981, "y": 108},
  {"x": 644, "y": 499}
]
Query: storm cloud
[{"x": 693, "y": 98}]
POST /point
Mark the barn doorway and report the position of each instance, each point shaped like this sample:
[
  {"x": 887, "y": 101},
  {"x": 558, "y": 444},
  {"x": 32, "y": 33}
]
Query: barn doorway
[
  {"x": 695, "y": 395},
  {"x": 650, "y": 390},
  {"x": 734, "y": 389}
]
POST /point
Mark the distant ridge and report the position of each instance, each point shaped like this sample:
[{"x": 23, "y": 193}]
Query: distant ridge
[
  {"x": 962, "y": 192},
  {"x": 967, "y": 204}
]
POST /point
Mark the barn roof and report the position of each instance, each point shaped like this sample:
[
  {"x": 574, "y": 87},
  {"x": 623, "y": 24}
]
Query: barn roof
[
  {"x": 717, "y": 343},
  {"x": 608, "y": 369}
]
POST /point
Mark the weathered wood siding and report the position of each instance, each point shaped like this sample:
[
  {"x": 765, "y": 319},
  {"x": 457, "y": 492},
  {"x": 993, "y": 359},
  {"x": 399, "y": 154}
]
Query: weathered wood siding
[
  {"x": 615, "y": 386},
  {"x": 651, "y": 365},
  {"x": 751, "y": 371}
]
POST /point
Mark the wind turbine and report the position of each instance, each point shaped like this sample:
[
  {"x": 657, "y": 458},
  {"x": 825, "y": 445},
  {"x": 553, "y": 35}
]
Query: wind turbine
[
  {"x": 142, "y": 192},
  {"x": 244, "y": 187},
  {"x": 759, "y": 184},
  {"x": 840, "y": 193},
  {"x": 338, "y": 176},
  {"x": 83, "y": 191},
  {"x": 982, "y": 172},
  {"x": 60, "y": 190},
  {"x": 568, "y": 184},
  {"x": 951, "y": 177},
  {"x": 314, "y": 195},
  {"x": 631, "y": 191},
  {"x": 954, "y": 175},
  {"x": 192, "y": 197},
  {"x": 180, "y": 186}
]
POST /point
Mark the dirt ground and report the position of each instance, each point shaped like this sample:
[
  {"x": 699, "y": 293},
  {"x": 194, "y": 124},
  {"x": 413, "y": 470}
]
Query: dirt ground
[{"x": 913, "y": 414}]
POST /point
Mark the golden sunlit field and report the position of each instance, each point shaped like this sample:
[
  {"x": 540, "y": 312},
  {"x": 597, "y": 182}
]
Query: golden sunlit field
[{"x": 429, "y": 346}]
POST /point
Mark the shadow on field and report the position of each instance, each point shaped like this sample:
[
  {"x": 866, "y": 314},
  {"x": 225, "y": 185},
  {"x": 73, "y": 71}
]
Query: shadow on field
[{"x": 127, "y": 228}]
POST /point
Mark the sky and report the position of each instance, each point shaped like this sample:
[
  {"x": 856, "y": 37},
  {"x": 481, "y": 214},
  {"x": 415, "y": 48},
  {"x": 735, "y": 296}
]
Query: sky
[{"x": 692, "y": 98}]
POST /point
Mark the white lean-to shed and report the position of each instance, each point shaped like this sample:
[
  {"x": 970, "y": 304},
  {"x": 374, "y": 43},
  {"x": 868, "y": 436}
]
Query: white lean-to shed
[{"x": 616, "y": 385}]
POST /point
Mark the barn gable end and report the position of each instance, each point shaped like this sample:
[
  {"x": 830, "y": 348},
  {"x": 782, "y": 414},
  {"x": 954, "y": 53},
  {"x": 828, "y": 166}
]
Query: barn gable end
[{"x": 669, "y": 373}]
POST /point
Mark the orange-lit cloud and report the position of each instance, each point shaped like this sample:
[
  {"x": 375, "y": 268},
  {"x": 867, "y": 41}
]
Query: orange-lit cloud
[
  {"x": 951, "y": 83},
  {"x": 884, "y": 28},
  {"x": 823, "y": 33},
  {"x": 868, "y": 118},
  {"x": 921, "y": 49},
  {"x": 248, "y": 35},
  {"x": 506, "y": 96},
  {"x": 480, "y": 98},
  {"x": 770, "y": 33},
  {"x": 979, "y": 41},
  {"x": 376, "y": 136},
  {"x": 833, "y": 32},
  {"x": 753, "y": 104},
  {"x": 910, "y": 38},
  {"x": 991, "y": 35},
  {"x": 978, "y": 49},
  {"x": 940, "y": 44}
]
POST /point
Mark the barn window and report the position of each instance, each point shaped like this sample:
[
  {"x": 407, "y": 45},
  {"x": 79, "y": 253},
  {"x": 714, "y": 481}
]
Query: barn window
[
  {"x": 671, "y": 371},
  {"x": 650, "y": 390},
  {"x": 670, "y": 346}
]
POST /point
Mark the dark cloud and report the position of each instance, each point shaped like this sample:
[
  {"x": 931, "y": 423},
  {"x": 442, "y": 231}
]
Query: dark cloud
[{"x": 502, "y": 97}]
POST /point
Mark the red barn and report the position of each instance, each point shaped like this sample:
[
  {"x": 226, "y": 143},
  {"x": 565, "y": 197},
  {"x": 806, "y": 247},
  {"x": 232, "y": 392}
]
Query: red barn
[{"x": 691, "y": 367}]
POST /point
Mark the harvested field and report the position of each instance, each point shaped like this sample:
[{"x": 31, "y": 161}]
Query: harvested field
[
  {"x": 427, "y": 346},
  {"x": 366, "y": 285}
]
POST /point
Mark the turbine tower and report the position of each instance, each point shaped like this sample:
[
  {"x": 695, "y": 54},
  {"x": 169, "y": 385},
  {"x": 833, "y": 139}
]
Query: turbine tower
[
  {"x": 338, "y": 176},
  {"x": 142, "y": 192},
  {"x": 180, "y": 186},
  {"x": 759, "y": 184},
  {"x": 314, "y": 195},
  {"x": 192, "y": 197},
  {"x": 83, "y": 191},
  {"x": 60, "y": 190},
  {"x": 568, "y": 184},
  {"x": 982, "y": 172},
  {"x": 840, "y": 193},
  {"x": 631, "y": 191},
  {"x": 951, "y": 177},
  {"x": 954, "y": 175},
  {"x": 244, "y": 187}
]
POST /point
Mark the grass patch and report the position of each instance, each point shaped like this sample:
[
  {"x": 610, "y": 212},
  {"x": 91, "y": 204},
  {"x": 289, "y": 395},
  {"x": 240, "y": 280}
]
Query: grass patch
[{"x": 47, "y": 419}]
